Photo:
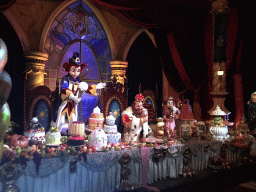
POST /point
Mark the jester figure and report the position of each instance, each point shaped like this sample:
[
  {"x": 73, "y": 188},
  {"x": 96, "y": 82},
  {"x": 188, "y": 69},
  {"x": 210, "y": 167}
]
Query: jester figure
[{"x": 71, "y": 88}]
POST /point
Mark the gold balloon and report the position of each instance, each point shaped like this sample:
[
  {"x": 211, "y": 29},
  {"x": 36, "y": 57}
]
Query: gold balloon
[{"x": 5, "y": 116}]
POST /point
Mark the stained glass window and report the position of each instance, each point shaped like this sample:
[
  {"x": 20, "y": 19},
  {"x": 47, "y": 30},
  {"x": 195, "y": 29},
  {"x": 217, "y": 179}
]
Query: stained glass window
[{"x": 76, "y": 28}]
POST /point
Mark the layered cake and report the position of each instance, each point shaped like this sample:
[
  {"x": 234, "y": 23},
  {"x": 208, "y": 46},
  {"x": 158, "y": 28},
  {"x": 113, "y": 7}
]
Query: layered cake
[
  {"x": 98, "y": 138},
  {"x": 96, "y": 119},
  {"x": 76, "y": 128},
  {"x": 53, "y": 137},
  {"x": 111, "y": 130},
  {"x": 75, "y": 140},
  {"x": 36, "y": 133}
]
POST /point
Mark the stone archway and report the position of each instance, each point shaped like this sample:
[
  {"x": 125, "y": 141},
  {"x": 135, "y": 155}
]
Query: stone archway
[
  {"x": 129, "y": 44},
  {"x": 18, "y": 29}
]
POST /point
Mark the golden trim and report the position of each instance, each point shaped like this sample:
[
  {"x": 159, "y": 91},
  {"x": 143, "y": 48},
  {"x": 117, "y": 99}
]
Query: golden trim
[
  {"x": 116, "y": 62},
  {"x": 66, "y": 111},
  {"x": 152, "y": 99},
  {"x": 34, "y": 104},
  {"x": 75, "y": 87},
  {"x": 109, "y": 102},
  {"x": 65, "y": 96}
]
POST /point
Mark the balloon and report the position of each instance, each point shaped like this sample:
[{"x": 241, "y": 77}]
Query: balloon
[
  {"x": 5, "y": 116},
  {"x": 3, "y": 55},
  {"x": 5, "y": 87}
]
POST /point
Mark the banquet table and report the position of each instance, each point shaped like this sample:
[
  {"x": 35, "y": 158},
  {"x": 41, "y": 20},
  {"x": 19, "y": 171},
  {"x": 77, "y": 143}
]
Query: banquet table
[{"x": 106, "y": 171}]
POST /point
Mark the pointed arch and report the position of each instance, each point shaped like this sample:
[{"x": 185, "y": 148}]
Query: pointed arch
[
  {"x": 18, "y": 29},
  {"x": 129, "y": 44},
  {"x": 63, "y": 6}
]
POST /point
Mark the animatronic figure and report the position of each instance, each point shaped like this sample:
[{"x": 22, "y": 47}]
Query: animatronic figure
[
  {"x": 135, "y": 120},
  {"x": 169, "y": 116},
  {"x": 252, "y": 114},
  {"x": 35, "y": 124},
  {"x": 71, "y": 89}
]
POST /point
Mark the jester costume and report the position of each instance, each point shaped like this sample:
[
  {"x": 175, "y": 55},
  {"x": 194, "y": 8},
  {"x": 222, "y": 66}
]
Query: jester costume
[
  {"x": 68, "y": 107},
  {"x": 66, "y": 104}
]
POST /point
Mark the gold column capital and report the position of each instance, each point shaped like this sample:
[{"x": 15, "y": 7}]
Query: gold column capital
[
  {"x": 118, "y": 70},
  {"x": 35, "y": 65}
]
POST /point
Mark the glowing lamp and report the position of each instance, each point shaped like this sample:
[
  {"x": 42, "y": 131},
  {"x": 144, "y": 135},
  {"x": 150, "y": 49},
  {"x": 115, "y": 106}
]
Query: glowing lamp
[{"x": 220, "y": 73}]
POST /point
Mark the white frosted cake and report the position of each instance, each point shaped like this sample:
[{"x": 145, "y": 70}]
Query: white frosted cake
[
  {"x": 111, "y": 130},
  {"x": 34, "y": 133},
  {"x": 113, "y": 137},
  {"x": 96, "y": 119},
  {"x": 98, "y": 138},
  {"x": 76, "y": 128},
  {"x": 53, "y": 137}
]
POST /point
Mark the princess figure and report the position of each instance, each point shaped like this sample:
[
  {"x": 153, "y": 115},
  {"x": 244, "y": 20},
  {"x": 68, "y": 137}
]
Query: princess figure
[{"x": 169, "y": 116}]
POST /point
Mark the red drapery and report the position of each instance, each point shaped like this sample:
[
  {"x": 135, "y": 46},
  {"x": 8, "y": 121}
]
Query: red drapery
[
  {"x": 184, "y": 41},
  {"x": 238, "y": 88},
  {"x": 5, "y": 4}
]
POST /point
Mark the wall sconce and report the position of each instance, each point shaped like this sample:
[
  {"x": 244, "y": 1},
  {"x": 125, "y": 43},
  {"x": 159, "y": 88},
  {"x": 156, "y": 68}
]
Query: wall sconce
[{"x": 220, "y": 73}]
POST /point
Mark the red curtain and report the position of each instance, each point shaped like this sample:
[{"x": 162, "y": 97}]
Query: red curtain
[
  {"x": 184, "y": 41},
  {"x": 5, "y": 4},
  {"x": 232, "y": 35},
  {"x": 238, "y": 88}
]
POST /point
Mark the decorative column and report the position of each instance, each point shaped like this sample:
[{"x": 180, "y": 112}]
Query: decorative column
[
  {"x": 220, "y": 23},
  {"x": 35, "y": 65},
  {"x": 118, "y": 71}
]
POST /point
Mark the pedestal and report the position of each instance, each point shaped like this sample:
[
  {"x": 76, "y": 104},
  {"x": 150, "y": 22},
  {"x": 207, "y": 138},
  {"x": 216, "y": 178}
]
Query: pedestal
[{"x": 219, "y": 99}]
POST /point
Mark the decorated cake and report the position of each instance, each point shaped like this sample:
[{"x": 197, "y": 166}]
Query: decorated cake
[
  {"x": 98, "y": 138},
  {"x": 111, "y": 130},
  {"x": 96, "y": 119},
  {"x": 75, "y": 140},
  {"x": 36, "y": 133},
  {"x": 218, "y": 130},
  {"x": 53, "y": 137},
  {"x": 76, "y": 128}
]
